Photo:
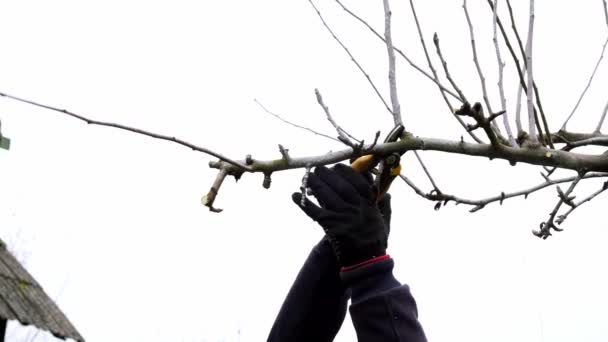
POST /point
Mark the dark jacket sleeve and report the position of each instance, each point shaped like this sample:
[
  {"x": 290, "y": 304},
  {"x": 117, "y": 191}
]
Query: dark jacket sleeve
[
  {"x": 315, "y": 306},
  {"x": 382, "y": 309}
]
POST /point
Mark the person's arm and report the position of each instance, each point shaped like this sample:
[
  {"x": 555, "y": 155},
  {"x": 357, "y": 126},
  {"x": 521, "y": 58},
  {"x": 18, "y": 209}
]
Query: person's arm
[
  {"x": 382, "y": 309},
  {"x": 315, "y": 306}
]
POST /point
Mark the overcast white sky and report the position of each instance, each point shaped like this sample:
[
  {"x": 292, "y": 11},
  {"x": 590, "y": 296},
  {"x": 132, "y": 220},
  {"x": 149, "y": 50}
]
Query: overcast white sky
[{"x": 111, "y": 224}]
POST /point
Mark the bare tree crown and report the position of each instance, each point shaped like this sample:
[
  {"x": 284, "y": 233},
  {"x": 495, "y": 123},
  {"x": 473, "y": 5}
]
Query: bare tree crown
[{"x": 490, "y": 130}]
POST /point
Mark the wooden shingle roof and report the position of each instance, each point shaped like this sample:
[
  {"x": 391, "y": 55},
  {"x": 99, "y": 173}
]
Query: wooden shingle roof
[{"x": 24, "y": 300}]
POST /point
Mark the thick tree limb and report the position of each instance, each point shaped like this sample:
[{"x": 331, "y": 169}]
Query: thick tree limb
[
  {"x": 536, "y": 156},
  {"x": 234, "y": 163}
]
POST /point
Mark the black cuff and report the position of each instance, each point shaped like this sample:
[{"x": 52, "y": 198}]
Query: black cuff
[{"x": 370, "y": 280}]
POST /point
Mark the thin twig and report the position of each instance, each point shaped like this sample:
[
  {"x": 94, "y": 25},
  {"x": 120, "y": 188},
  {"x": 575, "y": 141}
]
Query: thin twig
[
  {"x": 530, "y": 73},
  {"x": 392, "y": 78},
  {"x": 587, "y": 86},
  {"x": 428, "y": 58},
  {"x": 463, "y": 98},
  {"x": 545, "y": 227},
  {"x": 293, "y": 124},
  {"x": 131, "y": 129},
  {"x": 599, "y": 125},
  {"x": 341, "y": 133},
  {"x": 352, "y": 58},
  {"x": 605, "y": 12},
  {"x": 520, "y": 73},
  {"x": 520, "y": 129},
  {"x": 562, "y": 218},
  {"x": 482, "y": 203},
  {"x": 477, "y": 66},
  {"x": 399, "y": 51},
  {"x": 426, "y": 171},
  {"x": 501, "y": 88}
]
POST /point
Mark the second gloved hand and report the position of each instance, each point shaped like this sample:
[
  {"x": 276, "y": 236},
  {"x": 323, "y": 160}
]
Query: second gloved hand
[{"x": 348, "y": 213}]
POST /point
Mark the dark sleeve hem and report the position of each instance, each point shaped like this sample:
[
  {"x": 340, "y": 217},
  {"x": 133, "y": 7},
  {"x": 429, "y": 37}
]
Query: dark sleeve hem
[{"x": 370, "y": 280}]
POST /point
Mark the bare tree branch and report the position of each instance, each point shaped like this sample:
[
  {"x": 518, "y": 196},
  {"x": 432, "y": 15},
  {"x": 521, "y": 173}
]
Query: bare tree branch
[
  {"x": 293, "y": 124},
  {"x": 460, "y": 93},
  {"x": 562, "y": 218},
  {"x": 341, "y": 133},
  {"x": 520, "y": 129},
  {"x": 392, "y": 79},
  {"x": 599, "y": 125},
  {"x": 530, "y": 93},
  {"x": 400, "y": 52},
  {"x": 545, "y": 227},
  {"x": 463, "y": 98},
  {"x": 501, "y": 88},
  {"x": 482, "y": 203},
  {"x": 605, "y": 12},
  {"x": 236, "y": 164},
  {"x": 538, "y": 156},
  {"x": 352, "y": 58},
  {"x": 208, "y": 199},
  {"x": 426, "y": 171},
  {"x": 477, "y": 66},
  {"x": 587, "y": 86},
  {"x": 520, "y": 72},
  {"x": 428, "y": 58}
]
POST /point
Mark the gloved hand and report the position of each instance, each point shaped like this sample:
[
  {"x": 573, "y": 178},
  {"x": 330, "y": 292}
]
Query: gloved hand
[{"x": 350, "y": 217}]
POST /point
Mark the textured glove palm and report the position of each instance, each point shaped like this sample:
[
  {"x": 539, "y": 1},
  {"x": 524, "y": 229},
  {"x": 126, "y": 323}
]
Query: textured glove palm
[{"x": 350, "y": 217}]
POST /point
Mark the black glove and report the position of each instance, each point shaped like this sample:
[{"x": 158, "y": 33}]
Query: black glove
[{"x": 349, "y": 215}]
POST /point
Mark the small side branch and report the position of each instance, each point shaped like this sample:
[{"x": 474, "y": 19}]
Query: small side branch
[
  {"x": 545, "y": 227},
  {"x": 392, "y": 79},
  {"x": 530, "y": 93},
  {"x": 239, "y": 165},
  {"x": 477, "y": 66},
  {"x": 442, "y": 197},
  {"x": 399, "y": 51},
  {"x": 560, "y": 219},
  {"x": 587, "y": 86},
  {"x": 521, "y": 74},
  {"x": 463, "y": 98},
  {"x": 501, "y": 88},
  {"x": 209, "y": 198},
  {"x": 293, "y": 124},
  {"x": 599, "y": 125},
  {"x": 352, "y": 58},
  {"x": 426, "y": 171},
  {"x": 342, "y": 135}
]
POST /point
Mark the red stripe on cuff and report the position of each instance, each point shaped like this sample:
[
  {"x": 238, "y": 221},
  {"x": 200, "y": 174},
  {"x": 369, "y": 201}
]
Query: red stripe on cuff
[{"x": 366, "y": 262}]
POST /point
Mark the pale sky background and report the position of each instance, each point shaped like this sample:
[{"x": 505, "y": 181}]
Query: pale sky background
[{"x": 110, "y": 223}]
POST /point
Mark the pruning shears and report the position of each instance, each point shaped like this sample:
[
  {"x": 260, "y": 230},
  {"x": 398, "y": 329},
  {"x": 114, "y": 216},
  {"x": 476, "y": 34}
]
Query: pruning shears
[{"x": 389, "y": 166}]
